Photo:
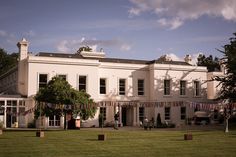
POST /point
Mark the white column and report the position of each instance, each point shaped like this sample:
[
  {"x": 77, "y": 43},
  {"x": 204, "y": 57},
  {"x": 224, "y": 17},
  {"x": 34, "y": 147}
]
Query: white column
[
  {"x": 120, "y": 116},
  {"x": 134, "y": 116},
  {"x": 137, "y": 113}
]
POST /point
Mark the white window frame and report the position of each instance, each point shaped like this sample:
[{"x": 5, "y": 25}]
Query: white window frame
[
  {"x": 58, "y": 75},
  {"x": 197, "y": 92},
  {"x": 182, "y": 91},
  {"x": 105, "y": 86},
  {"x": 167, "y": 115},
  {"x": 39, "y": 78},
  {"x": 169, "y": 88},
  {"x": 143, "y": 87},
  {"x": 56, "y": 123},
  {"x": 183, "y": 114},
  {"x": 124, "y": 87},
  {"x": 86, "y": 83}
]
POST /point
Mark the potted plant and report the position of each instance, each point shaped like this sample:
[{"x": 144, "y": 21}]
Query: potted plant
[
  {"x": 102, "y": 136},
  {"x": 1, "y": 127},
  {"x": 188, "y": 135}
]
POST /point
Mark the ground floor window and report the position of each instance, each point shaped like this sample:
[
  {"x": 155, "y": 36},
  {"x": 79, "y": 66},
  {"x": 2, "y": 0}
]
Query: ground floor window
[
  {"x": 103, "y": 113},
  {"x": 54, "y": 121},
  {"x": 167, "y": 113},
  {"x": 141, "y": 114},
  {"x": 183, "y": 113}
]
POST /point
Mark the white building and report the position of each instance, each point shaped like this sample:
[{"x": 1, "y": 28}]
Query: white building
[{"x": 136, "y": 88}]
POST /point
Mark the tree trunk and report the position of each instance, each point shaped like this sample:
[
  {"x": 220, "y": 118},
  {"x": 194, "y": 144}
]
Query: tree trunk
[{"x": 227, "y": 125}]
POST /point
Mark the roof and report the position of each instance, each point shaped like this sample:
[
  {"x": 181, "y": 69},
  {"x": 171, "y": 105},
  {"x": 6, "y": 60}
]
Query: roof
[{"x": 112, "y": 60}]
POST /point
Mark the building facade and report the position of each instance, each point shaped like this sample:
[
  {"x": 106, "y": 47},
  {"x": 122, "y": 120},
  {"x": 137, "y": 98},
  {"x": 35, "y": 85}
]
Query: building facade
[{"x": 135, "y": 88}]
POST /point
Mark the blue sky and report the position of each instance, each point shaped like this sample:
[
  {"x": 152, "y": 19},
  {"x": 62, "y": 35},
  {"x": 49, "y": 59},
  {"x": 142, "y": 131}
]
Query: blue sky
[{"x": 138, "y": 29}]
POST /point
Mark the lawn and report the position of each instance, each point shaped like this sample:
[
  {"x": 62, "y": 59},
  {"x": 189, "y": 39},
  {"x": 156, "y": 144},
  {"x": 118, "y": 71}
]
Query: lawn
[{"x": 130, "y": 143}]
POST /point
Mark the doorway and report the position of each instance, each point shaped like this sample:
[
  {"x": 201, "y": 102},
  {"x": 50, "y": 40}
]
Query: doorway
[{"x": 124, "y": 117}]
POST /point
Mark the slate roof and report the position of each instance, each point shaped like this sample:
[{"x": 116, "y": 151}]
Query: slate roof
[{"x": 112, "y": 60}]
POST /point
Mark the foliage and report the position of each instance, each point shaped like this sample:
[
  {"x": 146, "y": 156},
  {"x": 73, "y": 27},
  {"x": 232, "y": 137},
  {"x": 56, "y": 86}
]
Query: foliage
[
  {"x": 32, "y": 124},
  {"x": 84, "y": 48},
  {"x": 227, "y": 82},
  {"x": 59, "y": 93},
  {"x": 7, "y": 61},
  {"x": 209, "y": 62}
]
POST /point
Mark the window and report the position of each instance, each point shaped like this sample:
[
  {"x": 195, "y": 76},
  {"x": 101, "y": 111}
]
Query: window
[
  {"x": 166, "y": 87},
  {"x": 63, "y": 77},
  {"x": 196, "y": 88},
  {"x": 2, "y": 107},
  {"x": 102, "y": 86},
  {"x": 183, "y": 113},
  {"x": 167, "y": 113},
  {"x": 103, "y": 113},
  {"x": 82, "y": 83},
  {"x": 140, "y": 87},
  {"x": 141, "y": 114},
  {"x": 122, "y": 87},
  {"x": 182, "y": 87},
  {"x": 54, "y": 120},
  {"x": 43, "y": 79}
]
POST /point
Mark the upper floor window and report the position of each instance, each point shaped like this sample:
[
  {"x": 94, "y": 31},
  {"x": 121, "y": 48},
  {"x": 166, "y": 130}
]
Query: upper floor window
[
  {"x": 182, "y": 87},
  {"x": 43, "y": 80},
  {"x": 196, "y": 88},
  {"x": 63, "y": 77},
  {"x": 166, "y": 87},
  {"x": 82, "y": 83},
  {"x": 102, "y": 86},
  {"x": 140, "y": 87},
  {"x": 167, "y": 113},
  {"x": 121, "y": 86}
]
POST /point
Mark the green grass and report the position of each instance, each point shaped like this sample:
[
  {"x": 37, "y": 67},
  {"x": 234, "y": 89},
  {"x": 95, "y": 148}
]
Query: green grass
[{"x": 74, "y": 143}]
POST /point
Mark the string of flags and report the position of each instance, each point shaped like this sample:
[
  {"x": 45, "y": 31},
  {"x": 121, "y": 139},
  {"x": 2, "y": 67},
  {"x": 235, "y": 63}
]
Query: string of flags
[{"x": 195, "y": 105}]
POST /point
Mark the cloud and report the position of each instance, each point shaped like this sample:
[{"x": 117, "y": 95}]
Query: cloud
[
  {"x": 170, "y": 23},
  {"x": 63, "y": 46},
  {"x": 30, "y": 33},
  {"x": 173, "y": 13},
  {"x": 74, "y": 45},
  {"x": 174, "y": 57},
  {"x": 3, "y": 33},
  {"x": 125, "y": 47}
]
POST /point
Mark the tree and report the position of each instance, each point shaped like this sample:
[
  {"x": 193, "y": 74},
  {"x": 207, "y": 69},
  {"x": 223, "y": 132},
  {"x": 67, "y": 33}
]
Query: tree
[
  {"x": 58, "y": 98},
  {"x": 7, "y": 61},
  {"x": 84, "y": 48},
  {"x": 228, "y": 81},
  {"x": 209, "y": 62}
]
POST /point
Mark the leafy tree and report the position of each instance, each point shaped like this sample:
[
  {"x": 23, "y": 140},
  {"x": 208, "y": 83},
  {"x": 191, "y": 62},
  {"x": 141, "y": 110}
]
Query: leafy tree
[
  {"x": 209, "y": 62},
  {"x": 84, "y": 48},
  {"x": 7, "y": 61},
  {"x": 228, "y": 81},
  {"x": 58, "y": 97}
]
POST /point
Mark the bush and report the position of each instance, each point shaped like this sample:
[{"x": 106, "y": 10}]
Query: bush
[
  {"x": 166, "y": 125},
  {"x": 32, "y": 124}
]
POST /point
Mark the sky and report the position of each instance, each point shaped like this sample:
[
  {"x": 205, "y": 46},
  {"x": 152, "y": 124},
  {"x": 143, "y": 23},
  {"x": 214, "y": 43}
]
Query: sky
[{"x": 133, "y": 29}]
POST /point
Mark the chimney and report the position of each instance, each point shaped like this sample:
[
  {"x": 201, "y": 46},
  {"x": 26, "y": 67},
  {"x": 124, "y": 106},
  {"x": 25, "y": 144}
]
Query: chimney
[
  {"x": 188, "y": 59},
  {"x": 23, "y": 49}
]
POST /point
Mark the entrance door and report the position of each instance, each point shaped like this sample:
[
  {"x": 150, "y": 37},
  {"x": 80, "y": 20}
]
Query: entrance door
[
  {"x": 124, "y": 118},
  {"x": 11, "y": 116}
]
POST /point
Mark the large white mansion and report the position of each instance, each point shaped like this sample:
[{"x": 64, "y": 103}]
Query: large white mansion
[{"x": 135, "y": 88}]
